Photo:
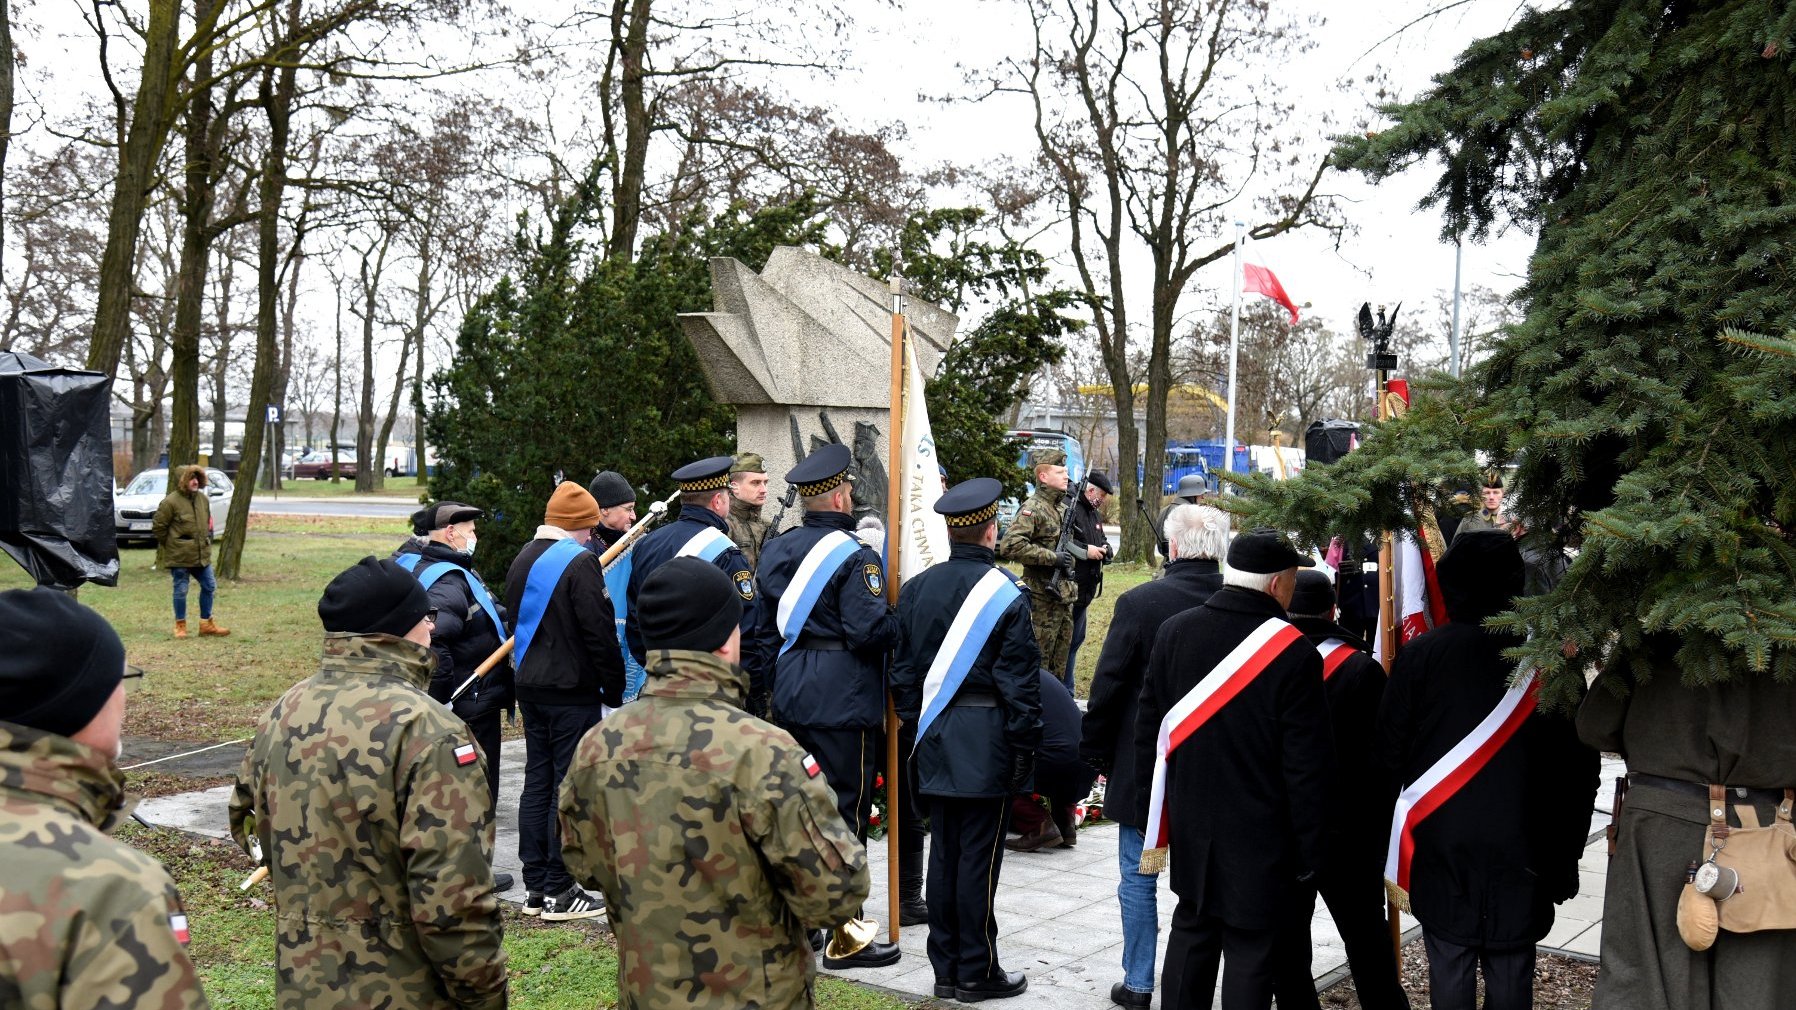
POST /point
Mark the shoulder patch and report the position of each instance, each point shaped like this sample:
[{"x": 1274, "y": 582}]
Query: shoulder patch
[
  {"x": 1026, "y": 512},
  {"x": 811, "y": 767},
  {"x": 466, "y": 754},
  {"x": 745, "y": 584},
  {"x": 875, "y": 579},
  {"x": 177, "y": 924}
]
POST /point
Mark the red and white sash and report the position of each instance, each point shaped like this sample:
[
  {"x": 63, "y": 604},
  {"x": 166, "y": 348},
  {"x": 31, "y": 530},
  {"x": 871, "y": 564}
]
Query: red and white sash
[
  {"x": 1334, "y": 652},
  {"x": 1217, "y": 688},
  {"x": 1449, "y": 774}
]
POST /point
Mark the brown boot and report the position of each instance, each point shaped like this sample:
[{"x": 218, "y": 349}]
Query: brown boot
[
  {"x": 180, "y": 629},
  {"x": 210, "y": 627}
]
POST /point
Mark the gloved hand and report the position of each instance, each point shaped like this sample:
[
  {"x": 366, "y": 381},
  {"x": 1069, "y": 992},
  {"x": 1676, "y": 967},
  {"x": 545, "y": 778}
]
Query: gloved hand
[
  {"x": 1560, "y": 887},
  {"x": 1066, "y": 560},
  {"x": 1099, "y": 762},
  {"x": 1022, "y": 765}
]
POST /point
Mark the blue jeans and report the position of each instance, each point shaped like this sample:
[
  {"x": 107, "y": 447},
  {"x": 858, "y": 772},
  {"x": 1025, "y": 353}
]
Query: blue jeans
[
  {"x": 1140, "y": 911},
  {"x": 208, "y": 588}
]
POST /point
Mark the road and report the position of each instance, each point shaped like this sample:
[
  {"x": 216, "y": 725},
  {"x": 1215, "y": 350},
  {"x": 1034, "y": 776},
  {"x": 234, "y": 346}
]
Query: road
[{"x": 369, "y": 508}]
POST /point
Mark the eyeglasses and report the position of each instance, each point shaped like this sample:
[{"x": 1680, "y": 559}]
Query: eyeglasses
[
  {"x": 431, "y": 615},
  {"x": 133, "y": 677}
]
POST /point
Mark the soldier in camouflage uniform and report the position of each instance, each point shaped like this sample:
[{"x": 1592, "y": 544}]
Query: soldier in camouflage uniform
[
  {"x": 748, "y": 495},
  {"x": 1031, "y": 540},
  {"x": 712, "y": 833},
  {"x": 85, "y": 921},
  {"x": 369, "y": 800}
]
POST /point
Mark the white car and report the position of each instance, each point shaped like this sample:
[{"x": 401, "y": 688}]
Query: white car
[{"x": 135, "y": 507}]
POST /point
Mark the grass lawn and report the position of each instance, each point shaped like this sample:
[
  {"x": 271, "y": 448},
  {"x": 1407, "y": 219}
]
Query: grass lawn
[
  {"x": 552, "y": 966},
  {"x": 393, "y": 487}
]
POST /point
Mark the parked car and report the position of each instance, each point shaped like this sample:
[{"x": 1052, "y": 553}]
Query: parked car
[
  {"x": 134, "y": 508},
  {"x": 317, "y": 465}
]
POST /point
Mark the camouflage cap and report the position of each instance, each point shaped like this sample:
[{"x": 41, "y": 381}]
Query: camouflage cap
[
  {"x": 1047, "y": 455},
  {"x": 748, "y": 462}
]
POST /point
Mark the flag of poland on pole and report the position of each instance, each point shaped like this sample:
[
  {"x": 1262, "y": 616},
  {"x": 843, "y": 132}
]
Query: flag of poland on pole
[
  {"x": 924, "y": 530},
  {"x": 1262, "y": 281}
]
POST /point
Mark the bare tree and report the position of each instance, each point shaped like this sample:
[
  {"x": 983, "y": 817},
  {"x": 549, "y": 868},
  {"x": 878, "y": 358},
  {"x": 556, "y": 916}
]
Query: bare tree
[{"x": 1157, "y": 123}]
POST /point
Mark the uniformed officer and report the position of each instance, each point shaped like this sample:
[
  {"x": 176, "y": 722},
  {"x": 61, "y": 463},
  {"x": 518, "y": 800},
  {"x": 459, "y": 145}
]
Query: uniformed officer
[
  {"x": 748, "y": 494},
  {"x": 713, "y": 835},
  {"x": 966, "y": 672},
  {"x": 1033, "y": 539},
  {"x": 369, "y": 802},
  {"x": 702, "y": 531},
  {"x": 1490, "y": 506},
  {"x": 827, "y": 589},
  {"x": 85, "y": 920}
]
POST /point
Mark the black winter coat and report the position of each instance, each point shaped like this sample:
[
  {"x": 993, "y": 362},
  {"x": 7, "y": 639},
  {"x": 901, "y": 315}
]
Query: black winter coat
[
  {"x": 833, "y": 677},
  {"x": 574, "y": 658},
  {"x": 1359, "y": 816},
  {"x": 659, "y": 546},
  {"x": 1060, "y": 774},
  {"x": 997, "y": 711},
  {"x": 463, "y": 636},
  {"x": 1108, "y": 734},
  {"x": 1247, "y": 793},
  {"x": 1088, "y": 531},
  {"x": 1491, "y": 862}
]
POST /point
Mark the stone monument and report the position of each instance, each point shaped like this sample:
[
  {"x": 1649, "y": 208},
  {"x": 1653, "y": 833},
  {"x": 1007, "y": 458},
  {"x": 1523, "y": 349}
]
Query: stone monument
[{"x": 804, "y": 352}]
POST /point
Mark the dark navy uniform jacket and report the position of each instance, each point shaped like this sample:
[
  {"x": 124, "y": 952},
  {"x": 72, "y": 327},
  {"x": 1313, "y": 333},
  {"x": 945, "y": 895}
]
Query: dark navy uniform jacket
[
  {"x": 834, "y": 677},
  {"x": 997, "y": 711},
  {"x": 660, "y": 546}
]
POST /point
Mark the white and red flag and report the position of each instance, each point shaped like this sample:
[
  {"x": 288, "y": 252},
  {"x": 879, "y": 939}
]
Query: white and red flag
[
  {"x": 1260, "y": 280},
  {"x": 1227, "y": 679}
]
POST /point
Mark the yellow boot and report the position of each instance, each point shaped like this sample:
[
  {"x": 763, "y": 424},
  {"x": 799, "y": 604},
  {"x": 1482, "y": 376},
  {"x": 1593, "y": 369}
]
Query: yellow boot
[
  {"x": 210, "y": 627},
  {"x": 180, "y": 629}
]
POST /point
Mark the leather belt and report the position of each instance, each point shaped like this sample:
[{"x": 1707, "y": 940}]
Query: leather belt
[
  {"x": 1771, "y": 797},
  {"x": 820, "y": 643}
]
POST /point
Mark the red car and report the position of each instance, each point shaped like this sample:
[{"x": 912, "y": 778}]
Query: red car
[{"x": 317, "y": 465}]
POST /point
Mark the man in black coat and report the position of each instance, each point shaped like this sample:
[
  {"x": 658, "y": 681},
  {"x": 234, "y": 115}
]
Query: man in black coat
[
  {"x": 1197, "y": 537},
  {"x": 966, "y": 673},
  {"x": 1091, "y": 548},
  {"x": 1493, "y": 859},
  {"x": 828, "y": 590},
  {"x": 1359, "y": 815},
  {"x": 1247, "y": 771},
  {"x": 568, "y": 668}
]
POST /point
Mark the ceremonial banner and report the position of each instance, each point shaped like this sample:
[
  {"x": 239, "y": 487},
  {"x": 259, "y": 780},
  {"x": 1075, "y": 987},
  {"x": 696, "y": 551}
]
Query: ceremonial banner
[{"x": 925, "y": 532}]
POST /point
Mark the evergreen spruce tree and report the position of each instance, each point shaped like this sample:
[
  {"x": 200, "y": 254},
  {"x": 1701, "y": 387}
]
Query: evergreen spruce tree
[{"x": 1646, "y": 400}]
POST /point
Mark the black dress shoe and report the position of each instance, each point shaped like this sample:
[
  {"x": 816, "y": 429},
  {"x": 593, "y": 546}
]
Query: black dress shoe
[
  {"x": 944, "y": 988},
  {"x": 873, "y": 955},
  {"x": 502, "y": 882},
  {"x": 1122, "y": 995},
  {"x": 1011, "y": 983}
]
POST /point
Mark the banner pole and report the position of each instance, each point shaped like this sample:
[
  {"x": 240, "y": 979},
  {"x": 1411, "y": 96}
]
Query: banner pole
[
  {"x": 898, "y": 477},
  {"x": 1387, "y": 625}
]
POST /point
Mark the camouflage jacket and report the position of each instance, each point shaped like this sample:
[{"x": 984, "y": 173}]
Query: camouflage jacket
[
  {"x": 748, "y": 530},
  {"x": 715, "y": 840},
  {"x": 1030, "y": 541},
  {"x": 370, "y": 804},
  {"x": 85, "y": 920}
]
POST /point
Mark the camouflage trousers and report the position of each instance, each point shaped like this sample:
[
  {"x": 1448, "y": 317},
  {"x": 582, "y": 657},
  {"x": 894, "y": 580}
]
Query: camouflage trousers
[{"x": 1053, "y": 619}]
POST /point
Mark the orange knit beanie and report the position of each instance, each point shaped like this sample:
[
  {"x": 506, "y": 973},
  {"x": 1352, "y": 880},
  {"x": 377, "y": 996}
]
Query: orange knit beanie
[{"x": 572, "y": 507}]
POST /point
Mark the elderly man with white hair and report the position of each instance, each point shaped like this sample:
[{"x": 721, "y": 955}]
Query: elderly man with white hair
[{"x": 1197, "y": 537}]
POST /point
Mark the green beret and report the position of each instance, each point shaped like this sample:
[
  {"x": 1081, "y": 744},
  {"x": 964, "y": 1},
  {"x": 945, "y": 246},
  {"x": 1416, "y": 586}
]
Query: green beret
[{"x": 748, "y": 462}]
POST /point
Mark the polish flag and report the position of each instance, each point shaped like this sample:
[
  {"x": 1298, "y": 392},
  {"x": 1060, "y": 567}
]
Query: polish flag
[{"x": 1261, "y": 280}]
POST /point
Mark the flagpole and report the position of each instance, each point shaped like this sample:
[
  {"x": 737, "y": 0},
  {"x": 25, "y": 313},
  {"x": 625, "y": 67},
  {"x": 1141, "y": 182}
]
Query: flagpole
[
  {"x": 1228, "y": 435},
  {"x": 899, "y": 477},
  {"x": 1387, "y": 638}
]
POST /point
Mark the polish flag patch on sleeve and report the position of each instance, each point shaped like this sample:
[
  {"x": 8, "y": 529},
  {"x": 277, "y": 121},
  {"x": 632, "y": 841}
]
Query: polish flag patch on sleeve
[
  {"x": 177, "y": 924},
  {"x": 811, "y": 767},
  {"x": 466, "y": 754}
]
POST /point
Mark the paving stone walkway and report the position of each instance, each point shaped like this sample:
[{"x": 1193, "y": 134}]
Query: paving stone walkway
[{"x": 1058, "y": 918}]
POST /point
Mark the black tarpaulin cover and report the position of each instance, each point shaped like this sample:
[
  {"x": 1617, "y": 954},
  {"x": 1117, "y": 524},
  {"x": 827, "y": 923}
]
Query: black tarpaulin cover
[{"x": 56, "y": 472}]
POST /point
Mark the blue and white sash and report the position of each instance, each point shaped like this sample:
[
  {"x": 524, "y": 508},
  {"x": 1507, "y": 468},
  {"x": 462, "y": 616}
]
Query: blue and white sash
[
  {"x": 820, "y": 562},
  {"x": 706, "y": 544},
  {"x": 972, "y": 627},
  {"x": 437, "y": 569},
  {"x": 538, "y": 587}
]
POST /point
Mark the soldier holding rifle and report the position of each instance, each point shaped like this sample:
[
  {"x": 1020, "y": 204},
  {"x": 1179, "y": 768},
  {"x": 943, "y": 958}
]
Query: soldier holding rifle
[{"x": 1035, "y": 540}]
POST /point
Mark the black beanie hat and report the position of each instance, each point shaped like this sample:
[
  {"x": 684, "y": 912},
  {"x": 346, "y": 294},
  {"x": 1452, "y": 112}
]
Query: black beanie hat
[
  {"x": 1314, "y": 594},
  {"x": 610, "y": 489},
  {"x": 59, "y": 661},
  {"x": 1480, "y": 575},
  {"x": 687, "y": 603},
  {"x": 373, "y": 596}
]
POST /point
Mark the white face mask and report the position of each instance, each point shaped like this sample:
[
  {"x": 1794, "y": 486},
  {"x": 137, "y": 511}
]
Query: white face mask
[{"x": 467, "y": 546}]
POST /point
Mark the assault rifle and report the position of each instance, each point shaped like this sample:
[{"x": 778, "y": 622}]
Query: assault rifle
[{"x": 1063, "y": 547}]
